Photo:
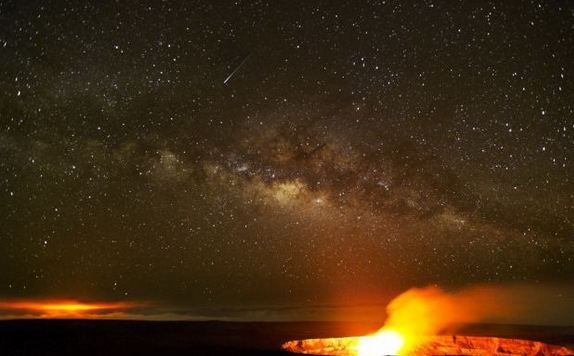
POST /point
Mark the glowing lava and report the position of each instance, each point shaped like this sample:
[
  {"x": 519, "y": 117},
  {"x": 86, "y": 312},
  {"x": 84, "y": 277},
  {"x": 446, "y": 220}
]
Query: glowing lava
[
  {"x": 64, "y": 308},
  {"x": 384, "y": 342},
  {"x": 419, "y": 322},
  {"x": 435, "y": 345}
]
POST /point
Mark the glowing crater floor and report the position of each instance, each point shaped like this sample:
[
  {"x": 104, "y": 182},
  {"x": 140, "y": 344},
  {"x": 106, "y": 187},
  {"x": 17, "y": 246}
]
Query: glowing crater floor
[{"x": 437, "y": 345}]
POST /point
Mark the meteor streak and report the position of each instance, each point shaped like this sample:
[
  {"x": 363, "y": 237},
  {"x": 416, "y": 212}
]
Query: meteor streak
[{"x": 237, "y": 68}]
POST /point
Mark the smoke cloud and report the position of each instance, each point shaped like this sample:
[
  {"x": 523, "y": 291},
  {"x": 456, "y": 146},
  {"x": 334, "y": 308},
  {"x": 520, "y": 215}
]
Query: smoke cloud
[
  {"x": 430, "y": 310},
  {"x": 422, "y": 312}
]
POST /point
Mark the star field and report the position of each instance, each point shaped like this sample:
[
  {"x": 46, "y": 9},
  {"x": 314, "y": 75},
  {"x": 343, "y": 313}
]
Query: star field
[{"x": 357, "y": 149}]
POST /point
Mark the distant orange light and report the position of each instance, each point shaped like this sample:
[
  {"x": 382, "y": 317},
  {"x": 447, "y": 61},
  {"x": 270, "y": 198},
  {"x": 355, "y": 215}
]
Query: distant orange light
[{"x": 65, "y": 308}]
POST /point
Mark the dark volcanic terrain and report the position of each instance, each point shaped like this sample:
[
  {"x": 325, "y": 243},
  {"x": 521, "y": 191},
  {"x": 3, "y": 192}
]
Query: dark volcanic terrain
[{"x": 117, "y": 337}]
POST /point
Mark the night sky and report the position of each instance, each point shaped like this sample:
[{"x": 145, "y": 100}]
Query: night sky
[{"x": 224, "y": 155}]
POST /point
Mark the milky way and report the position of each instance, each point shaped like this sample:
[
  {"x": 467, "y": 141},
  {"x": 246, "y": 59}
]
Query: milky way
[{"x": 360, "y": 150}]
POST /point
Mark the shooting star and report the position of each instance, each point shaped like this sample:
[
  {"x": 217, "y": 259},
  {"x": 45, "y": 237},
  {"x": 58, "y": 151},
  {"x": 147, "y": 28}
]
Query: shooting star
[{"x": 236, "y": 68}]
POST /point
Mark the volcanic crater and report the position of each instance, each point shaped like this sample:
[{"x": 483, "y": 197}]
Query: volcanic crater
[{"x": 435, "y": 345}]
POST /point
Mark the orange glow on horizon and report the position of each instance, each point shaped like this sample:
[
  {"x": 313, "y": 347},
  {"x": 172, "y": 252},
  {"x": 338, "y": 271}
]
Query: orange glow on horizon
[{"x": 66, "y": 308}]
